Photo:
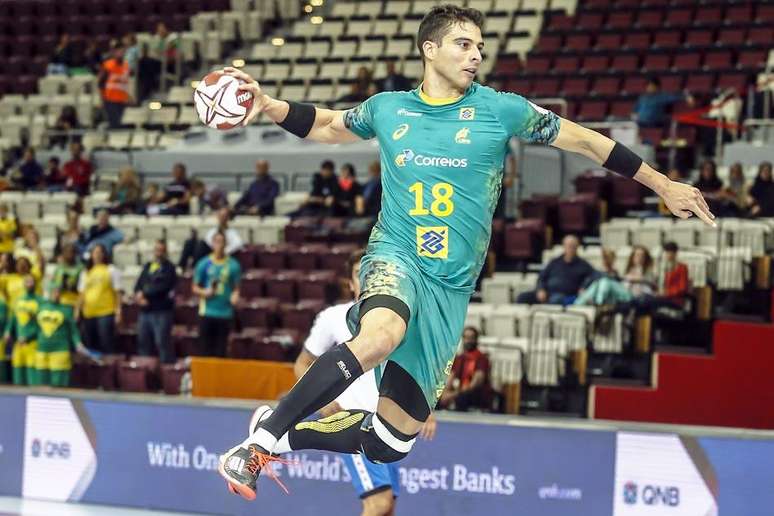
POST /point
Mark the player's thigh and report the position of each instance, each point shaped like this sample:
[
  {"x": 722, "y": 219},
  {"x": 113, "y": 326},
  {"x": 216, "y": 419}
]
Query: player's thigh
[
  {"x": 379, "y": 503},
  {"x": 431, "y": 340},
  {"x": 381, "y": 330}
]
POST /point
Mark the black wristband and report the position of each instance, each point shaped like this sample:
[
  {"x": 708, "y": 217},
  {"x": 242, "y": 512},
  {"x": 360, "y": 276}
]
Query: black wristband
[
  {"x": 300, "y": 119},
  {"x": 623, "y": 161}
]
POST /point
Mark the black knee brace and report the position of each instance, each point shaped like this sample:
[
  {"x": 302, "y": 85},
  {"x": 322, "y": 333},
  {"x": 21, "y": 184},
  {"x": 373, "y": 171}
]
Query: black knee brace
[{"x": 382, "y": 443}]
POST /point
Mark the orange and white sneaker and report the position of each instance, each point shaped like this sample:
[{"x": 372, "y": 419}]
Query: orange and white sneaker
[{"x": 242, "y": 464}]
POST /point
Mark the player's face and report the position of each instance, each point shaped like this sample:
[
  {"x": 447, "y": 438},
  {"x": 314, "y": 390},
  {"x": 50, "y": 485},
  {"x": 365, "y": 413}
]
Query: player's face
[{"x": 459, "y": 56}]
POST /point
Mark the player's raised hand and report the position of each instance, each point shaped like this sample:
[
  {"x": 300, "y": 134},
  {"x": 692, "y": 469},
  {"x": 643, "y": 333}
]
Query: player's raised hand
[
  {"x": 684, "y": 200},
  {"x": 251, "y": 85}
]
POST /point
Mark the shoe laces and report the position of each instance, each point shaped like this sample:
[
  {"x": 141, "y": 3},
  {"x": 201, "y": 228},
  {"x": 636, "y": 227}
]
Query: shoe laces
[{"x": 259, "y": 461}]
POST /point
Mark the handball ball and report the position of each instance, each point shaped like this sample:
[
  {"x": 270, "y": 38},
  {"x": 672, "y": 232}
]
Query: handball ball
[{"x": 219, "y": 103}]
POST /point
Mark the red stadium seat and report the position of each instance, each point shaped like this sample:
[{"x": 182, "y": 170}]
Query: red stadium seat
[
  {"x": 274, "y": 256},
  {"x": 538, "y": 64},
  {"x": 186, "y": 341},
  {"x": 319, "y": 285},
  {"x": 679, "y": 18},
  {"x": 700, "y": 38},
  {"x": 566, "y": 64},
  {"x": 258, "y": 313},
  {"x": 576, "y": 214},
  {"x": 626, "y": 194},
  {"x": 625, "y": 63},
  {"x": 622, "y": 109},
  {"x": 765, "y": 13},
  {"x": 246, "y": 343},
  {"x": 635, "y": 84},
  {"x": 760, "y": 36},
  {"x": 737, "y": 81},
  {"x": 253, "y": 283},
  {"x": 620, "y": 20},
  {"x": 718, "y": 59},
  {"x": 650, "y": 19},
  {"x": 560, "y": 21},
  {"x": 672, "y": 83},
  {"x": 739, "y": 14},
  {"x": 700, "y": 83},
  {"x": 549, "y": 43},
  {"x": 609, "y": 41},
  {"x": 507, "y": 65},
  {"x": 735, "y": 36},
  {"x": 578, "y": 42},
  {"x": 283, "y": 286},
  {"x": 687, "y": 61},
  {"x": 657, "y": 62},
  {"x": 521, "y": 86},
  {"x": 26, "y": 84},
  {"x": 335, "y": 258},
  {"x": 652, "y": 136},
  {"x": 171, "y": 377},
  {"x": 637, "y": 40},
  {"x": 139, "y": 374},
  {"x": 187, "y": 313},
  {"x": 709, "y": 16},
  {"x": 592, "y": 110},
  {"x": 752, "y": 59},
  {"x": 606, "y": 85},
  {"x": 575, "y": 86},
  {"x": 590, "y": 20},
  {"x": 300, "y": 316},
  {"x": 667, "y": 39},
  {"x": 524, "y": 239},
  {"x": 595, "y": 63},
  {"x": 306, "y": 257},
  {"x": 546, "y": 87}
]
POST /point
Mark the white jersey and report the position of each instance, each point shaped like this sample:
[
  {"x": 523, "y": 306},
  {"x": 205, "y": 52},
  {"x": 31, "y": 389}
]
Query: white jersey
[{"x": 330, "y": 329}]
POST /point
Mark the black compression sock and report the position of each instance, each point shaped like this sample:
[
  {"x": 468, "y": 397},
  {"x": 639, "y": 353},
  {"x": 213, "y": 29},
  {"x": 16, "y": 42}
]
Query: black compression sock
[
  {"x": 338, "y": 433},
  {"x": 329, "y": 376}
]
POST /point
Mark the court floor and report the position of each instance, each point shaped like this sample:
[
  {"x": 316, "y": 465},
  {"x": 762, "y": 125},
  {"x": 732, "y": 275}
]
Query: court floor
[{"x": 20, "y": 507}]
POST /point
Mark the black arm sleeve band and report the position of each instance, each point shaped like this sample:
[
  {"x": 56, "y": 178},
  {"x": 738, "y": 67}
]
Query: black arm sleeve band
[
  {"x": 623, "y": 161},
  {"x": 300, "y": 119}
]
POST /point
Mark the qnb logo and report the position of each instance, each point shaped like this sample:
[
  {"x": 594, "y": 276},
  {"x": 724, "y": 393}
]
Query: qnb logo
[
  {"x": 420, "y": 160},
  {"x": 667, "y": 496},
  {"x": 50, "y": 449}
]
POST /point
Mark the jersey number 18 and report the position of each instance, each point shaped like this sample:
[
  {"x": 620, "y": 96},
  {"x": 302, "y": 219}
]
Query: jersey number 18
[{"x": 442, "y": 205}]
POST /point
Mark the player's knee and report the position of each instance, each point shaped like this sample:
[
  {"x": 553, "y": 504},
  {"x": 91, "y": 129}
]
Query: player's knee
[
  {"x": 383, "y": 443},
  {"x": 379, "y": 504},
  {"x": 374, "y": 346}
]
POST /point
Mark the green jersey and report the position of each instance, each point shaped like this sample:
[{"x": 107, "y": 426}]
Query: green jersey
[
  {"x": 442, "y": 164},
  {"x": 23, "y": 324},
  {"x": 66, "y": 279},
  {"x": 223, "y": 276},
  {"x": 58, "y": 331}
]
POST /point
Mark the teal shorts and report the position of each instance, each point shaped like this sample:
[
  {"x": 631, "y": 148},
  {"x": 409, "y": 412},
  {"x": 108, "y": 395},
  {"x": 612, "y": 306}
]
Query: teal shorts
[{"x": 437, "y": 317}]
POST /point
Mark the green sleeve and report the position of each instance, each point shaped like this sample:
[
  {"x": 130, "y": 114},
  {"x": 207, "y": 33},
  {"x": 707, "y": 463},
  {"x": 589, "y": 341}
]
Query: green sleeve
[
  {"x": 360, "y": 119},
  {"x": 525, "y": 120},
  {"x": 75, "y": 335}
]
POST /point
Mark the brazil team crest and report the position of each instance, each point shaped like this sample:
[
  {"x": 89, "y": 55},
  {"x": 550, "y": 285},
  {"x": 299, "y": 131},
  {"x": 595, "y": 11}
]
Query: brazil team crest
[{"x": 467, "y": 113}]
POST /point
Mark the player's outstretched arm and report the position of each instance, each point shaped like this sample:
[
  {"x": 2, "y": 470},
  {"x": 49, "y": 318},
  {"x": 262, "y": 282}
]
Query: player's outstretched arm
[
  {"x": 681, "y": 199},
  {"x": 328, "y": 126}
]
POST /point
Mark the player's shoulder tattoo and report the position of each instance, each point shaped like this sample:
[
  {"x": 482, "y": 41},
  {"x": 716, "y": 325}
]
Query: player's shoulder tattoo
[{"x": 350, "y": 115}]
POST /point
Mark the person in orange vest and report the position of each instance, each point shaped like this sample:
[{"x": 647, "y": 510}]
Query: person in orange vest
[{"x": 114, "y": 82}]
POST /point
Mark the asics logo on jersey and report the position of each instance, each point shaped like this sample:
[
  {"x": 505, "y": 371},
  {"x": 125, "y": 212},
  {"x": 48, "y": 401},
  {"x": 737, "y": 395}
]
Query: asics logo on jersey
[
  {"x": 407, "y": 156},
  {"x": 462, "y": 136},
  {"x": 400, "y": 131},
  {"x": 406, "y": 112}
]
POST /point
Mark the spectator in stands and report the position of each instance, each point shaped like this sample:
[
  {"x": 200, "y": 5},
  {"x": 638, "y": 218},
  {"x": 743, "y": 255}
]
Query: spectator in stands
[
  {"x": 259, "y": 197},
  {"x": 709, "y": 182},
  {"x": 468, "y": 384},
  {"x": 132, "y": 54},
  {"x": 78, "y": 171},
  {"x": 762, "y": 192},
  {"x": 66, "y": 122},
  {"x": 639, "y": 277},
  {"x": 736, "y": 195},
  {"x": 560, "y": 280},
  {"x": 234, "y": 242},
  {"x": 348, "y": 197},
  {"x": 372, "y": 190},
  {"x": 151, "y": 200},
  {"x": 30, "y": 173},
  {"x": 12, "y": 279},
  {"x": 155, "y": 293},
  {"x": 177, "y": 194},
  {"x": 126, "y": 192},
  {"x": 103, "y": 234},
  {"x": 22, "y": 331},
  {"x": 653, "y": 106},
  {"x": 8, "y": 228},
  {"x": 209, "y": 198},
  {"x": 603, "y": 286},
  {"x": 162, "y": 48},
  {"x": 54, "y": 177},
  {"x": 92, "y": 58},
  {"x": 324, "y": 187},
  {"x": 4, "y": 355},
  {"x": 72, "y": 235},
  {"x": 58, "y": 335},
  {"x": 194, "y": 249},
  {"x": 63, "y": 57},
  {"x": 216, "y": 281},
  {"x": 394, "y": 80},
  {"x": 31, "y": 250},
  {"x": 66, "y": 275},
  {"x": 114, "y": 76},
  {"x": 356, "y": 94},
  {"x": 99, "y": 303}
]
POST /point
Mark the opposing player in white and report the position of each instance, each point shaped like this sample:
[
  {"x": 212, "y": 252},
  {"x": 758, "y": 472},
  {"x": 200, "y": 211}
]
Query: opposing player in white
[{"x": 377, "y": 485}]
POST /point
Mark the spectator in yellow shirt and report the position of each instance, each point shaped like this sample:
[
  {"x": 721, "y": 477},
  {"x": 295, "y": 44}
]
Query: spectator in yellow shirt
[
  {"x": 13, "y": 280},
  {"x": 99, "y": 303},
  {"x": 31, "y": 251},
  {"x": 7, "y": 229}
]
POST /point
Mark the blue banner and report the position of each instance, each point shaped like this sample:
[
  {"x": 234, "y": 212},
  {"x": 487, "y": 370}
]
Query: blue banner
[
  {"x": 165, "y": 456},
  {"x": 11, "y": 444}
]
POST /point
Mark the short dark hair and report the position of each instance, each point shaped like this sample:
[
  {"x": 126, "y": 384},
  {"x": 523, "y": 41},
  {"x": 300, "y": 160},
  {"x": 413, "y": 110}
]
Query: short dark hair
[
  {"x": 471, "y": 328},
  {"x": 328, "y": 164},
  {"x": 436, "y": 23},
  {"x": 354, "y": 259},
  {"x": 670, "y": 247}
]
